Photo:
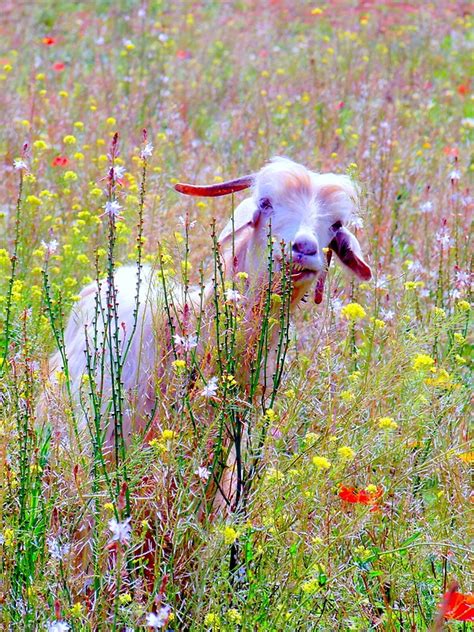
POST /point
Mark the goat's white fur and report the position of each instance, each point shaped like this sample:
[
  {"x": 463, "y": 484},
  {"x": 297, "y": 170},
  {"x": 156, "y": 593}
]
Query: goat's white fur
[{"x": 304, "y": 204}]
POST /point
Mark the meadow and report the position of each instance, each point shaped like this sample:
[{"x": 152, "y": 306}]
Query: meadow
[{"x": 358, "y": 503}]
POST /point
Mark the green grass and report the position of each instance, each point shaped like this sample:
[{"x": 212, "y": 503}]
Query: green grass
[{"x": 383, "y": 94}]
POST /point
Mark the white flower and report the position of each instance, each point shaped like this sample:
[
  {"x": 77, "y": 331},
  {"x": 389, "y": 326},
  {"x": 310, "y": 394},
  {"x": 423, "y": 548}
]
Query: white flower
[
  {"x": 119, "y": 171},
  {"x": 182, "y": 220},
  {"x": 443, "y": 237},
  {"x": 158, "y": 619},
  {"x": 19, "y": 163},
  {"x": 121, "y": 531},
  {"x": 468, "y": 122},
  {"x": 185, "y": 343},
  {"x": 112, "y": 208},
  {"x": 426, "y": 207},
  {"x": 146, "y": 151},
  {"x": 210, "y": 390},
  {"x": 57, "y": 626},
  {"x": 463, "y": 278},
  {"x": 51, "y": 246},
  {"x": 57, "y": 550},
  {"x": 455, "y": 175},
  {"x": 203, "y": 473},
  {"x": 233, "y": 296},
  {"x": 387, "y": 314}
]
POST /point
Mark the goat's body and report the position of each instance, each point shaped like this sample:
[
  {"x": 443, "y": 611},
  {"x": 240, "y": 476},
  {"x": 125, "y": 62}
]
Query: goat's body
[{"x": 88, "y": 350}]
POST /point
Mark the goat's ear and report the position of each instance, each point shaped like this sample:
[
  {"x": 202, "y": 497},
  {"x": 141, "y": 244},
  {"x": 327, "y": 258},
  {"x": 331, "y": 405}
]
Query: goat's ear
[
  {"x": 246, "y": 216},
  {"x": 347, "y": 248},
  {"x": 216, "y": 190},
  {"x": 319, "y": 287}
]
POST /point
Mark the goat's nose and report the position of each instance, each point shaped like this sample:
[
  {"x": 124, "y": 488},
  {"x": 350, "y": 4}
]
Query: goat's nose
[{"x": 305, "y": 245}]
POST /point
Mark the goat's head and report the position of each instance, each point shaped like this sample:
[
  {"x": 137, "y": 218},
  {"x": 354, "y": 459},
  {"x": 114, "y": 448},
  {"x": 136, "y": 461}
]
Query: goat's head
[{"x": 307, "y": 213}]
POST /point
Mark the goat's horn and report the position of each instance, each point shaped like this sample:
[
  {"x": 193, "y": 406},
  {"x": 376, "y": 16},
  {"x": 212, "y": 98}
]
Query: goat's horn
[{"x": 215, "y": 190}]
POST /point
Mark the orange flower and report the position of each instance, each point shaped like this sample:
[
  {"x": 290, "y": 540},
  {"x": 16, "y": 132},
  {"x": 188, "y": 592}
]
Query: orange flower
[
  {"x": 458, "y": 606},
  {"x": 49, "y": 41},
  {"x": 362, "y": 497},
  {"x": 463, "y": 89}
]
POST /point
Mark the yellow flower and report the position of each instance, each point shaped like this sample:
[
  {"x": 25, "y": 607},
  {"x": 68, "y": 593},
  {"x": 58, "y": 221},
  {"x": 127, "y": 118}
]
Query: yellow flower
[
  {"x": 310, "y": 587},
  {"x": 353, "y": 311},
  {"x": 33, "y": 200},
  {"x": 179, "y": 365},
  {"x": 76, "y": 609},
  {"x": 234, "y": 616},
  {"x": 321, "y": 462},
  {"x": 230, "y": 535},
  {"x": 442, "y": 379},
  {"x": 8, "y": 537},
  {"x": 70, "y": 176},
  {"x": 40, "y": 145},
  {"x": 109, "y": 506},
  {"x": 387, "y": 423},
  {"x": 463, "y": 306},
  {"x": 168, "y": 435},
  {"x": 346, "y": 453},
  {"x": 271, "y": 415},
  {"x": 422, "y": 362},
  {"x": 467, "y": 457},
  {"x": 212, "y": 621},
  {"x": 69, "y": 139},
  {"x": 111, "y": 121},
  {"x": 125, "y": 598}
]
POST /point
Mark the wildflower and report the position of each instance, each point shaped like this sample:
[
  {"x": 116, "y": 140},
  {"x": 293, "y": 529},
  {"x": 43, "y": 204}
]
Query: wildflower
[
  {"x": 353, "y": 311},
  {"x": 362, "y": 553},
  {"x": 69, "y": 139},
  {"x": 210, "y": 390},
  {"x": 367, "y": 496},
  {"x": 464, "y": 306},
  {"x": 230, "y": 535},
  {"x": 70, "y": 176},
  {"x": 19, "y": 163},
  {"x": 212, "y": 620},
  {"x": 59, "y": 66},
  {"x": 185, "y": 343},
  {"x": 229, "y": 380},
  {"x": 310, "y": 587},
  {"x": 270, "y": 415},
  {"x": 442, "y": 379},
  {"x": 57, "y": 549},
  {"x": 321, "y": 462},
  {"x": 76, "y": 609},
  {"x": 422, "y": 362},
  {"x": 158, "y": 619},
  {"x": 59, "y": 161},
  {"x": 179, "y": 365},
  {"x": 467, "y": 457},
  {"x": 57, "y": 626},
  {"x": 202, "y": 473},
  {"x": 112, "y": 208},
  {"x": 233, "y": 296},
  {"x": 458, "y": 606},
  {"x": 455, "y": 175},
  {"x": 426, "y": 207},
  {"x": 49, "y": 41},
  {"x": 147, "y": 151},
  {"x": 234, "y": 616},
  {"x": 119, "y": 172},
  {"x": 33, "y": 200},
  {"x": 387, "y": 423},
  {"x": 346, "y": 453},
  {"x": 121, "y": 531},
  {"x": 443, "y": 237},
  {"x": 168, "y": 435}
]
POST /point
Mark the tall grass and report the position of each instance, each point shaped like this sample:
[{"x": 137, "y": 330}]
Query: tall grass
[{"x": 352, "y": 496}]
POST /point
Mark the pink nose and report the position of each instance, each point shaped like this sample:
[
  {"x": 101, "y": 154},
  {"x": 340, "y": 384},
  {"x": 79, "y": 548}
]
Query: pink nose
[{"x": 305, "y": 245}]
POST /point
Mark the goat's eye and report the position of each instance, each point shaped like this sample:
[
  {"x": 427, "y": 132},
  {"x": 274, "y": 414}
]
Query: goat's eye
[{"x": 265, "y": 204}]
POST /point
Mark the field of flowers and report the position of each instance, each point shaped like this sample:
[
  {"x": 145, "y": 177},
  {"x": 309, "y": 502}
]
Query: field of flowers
[{"x": 358, "y": 501}]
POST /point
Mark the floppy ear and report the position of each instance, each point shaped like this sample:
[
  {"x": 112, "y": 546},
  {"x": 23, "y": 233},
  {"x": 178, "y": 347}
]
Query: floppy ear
[
  {"x": 246, "y": 215},
  {"x": 347, "y": 248}
]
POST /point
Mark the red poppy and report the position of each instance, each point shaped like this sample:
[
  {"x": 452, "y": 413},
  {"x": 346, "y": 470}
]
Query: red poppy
[
  {"x": 183, "y": 54},
  {"x": 60, "y": 161},
  {"x": 451, "y": 151},
  {"x": 363, "y": 497},
  {"x": 49, "y": 41},
  {"x": 458, "y": 606},
  {"x": 463, "y": 89},
  {"x": 59, "y": 66}
]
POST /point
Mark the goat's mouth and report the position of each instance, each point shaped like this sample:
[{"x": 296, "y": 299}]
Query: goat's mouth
[{"x": 300, "y": 274}]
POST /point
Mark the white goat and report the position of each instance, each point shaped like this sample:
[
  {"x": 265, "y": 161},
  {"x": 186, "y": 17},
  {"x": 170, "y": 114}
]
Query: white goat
[{"x": 308, "y": 212}]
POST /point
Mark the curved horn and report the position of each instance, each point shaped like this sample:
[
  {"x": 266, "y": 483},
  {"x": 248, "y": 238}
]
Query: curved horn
[{"x": 215, "y": 190}]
